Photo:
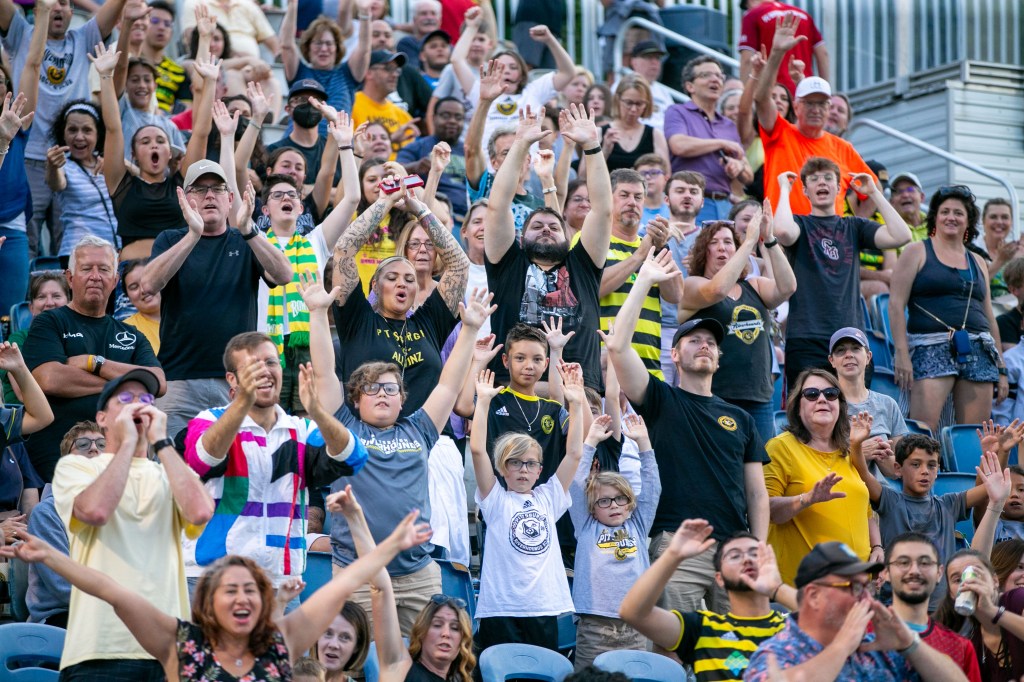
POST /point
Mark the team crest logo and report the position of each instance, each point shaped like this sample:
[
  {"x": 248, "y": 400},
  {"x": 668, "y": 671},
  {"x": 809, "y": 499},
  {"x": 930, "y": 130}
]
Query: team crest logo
[
  {"x": 727, "y": 423},
  {"x": 507, "y": 108},
  {"x": 530, "y": 532},
  {"x": 56, "y": 75},
  {"x": 547, "y": 424}
]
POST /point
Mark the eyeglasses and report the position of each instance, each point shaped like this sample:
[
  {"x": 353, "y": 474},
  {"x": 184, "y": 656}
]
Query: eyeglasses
[
  {"x": 716, "y": 224},
  {"x": 85, "y": 444},
  {"x": 579, "y": 200},
  {"x": 450, "y": 116},
  {"x": 128, "y": 397},
  {"x": 277, "y": 195},
  {"x": 415, "y": 245},
  {"x": 445, "y": 600},
  {"x": 605, "y": 502},
  {"x": 652, "y": 173},
  {"x": 831, "y": 393},
  {"x": 632, "y": 104},
  {"x": 519, "y": 464},
  {"x": 958, "y": 191},
  {"x": 390, "y": 388},
  {"x": 905, "y": 562},
  {"x": 907, "y": 189},
  {"x": 709, "y": 74},
  {"x": 157, "y": 21},
  {"x": 324, "y": 43},
  {"x": 736, "y": 555},
  {"x": 823, "y": 104},
  {"x": 827, "y": 177},
  {"x": 856, "y": 590},
  {"x": 202, "y": 190}
]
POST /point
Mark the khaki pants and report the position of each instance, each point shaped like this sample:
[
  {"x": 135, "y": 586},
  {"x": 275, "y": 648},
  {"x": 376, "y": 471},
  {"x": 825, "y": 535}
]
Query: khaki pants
[
  {"x": 692, "y": 582},
  {"x": 598, "y": 634},
  {"x": 412, "y": 593}
]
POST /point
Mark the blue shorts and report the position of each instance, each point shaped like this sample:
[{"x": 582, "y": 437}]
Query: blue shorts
[{"x": 937, "y": 360}]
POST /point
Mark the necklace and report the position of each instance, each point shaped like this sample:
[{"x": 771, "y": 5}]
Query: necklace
[{"x": 529, "y": 422}]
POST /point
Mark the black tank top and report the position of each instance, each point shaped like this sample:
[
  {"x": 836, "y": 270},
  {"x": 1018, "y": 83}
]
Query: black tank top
[
  {"x": 943, "y": 291},
  {"x": 620, "y": 158},
  {"x": 745, "y": 368},
  {"x": 145, "y": 209}
]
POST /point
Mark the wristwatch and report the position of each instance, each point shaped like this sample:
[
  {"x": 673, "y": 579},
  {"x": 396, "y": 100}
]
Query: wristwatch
[
  {"x": 98, "y": 361},
  {"x": 163, "y": 443}
]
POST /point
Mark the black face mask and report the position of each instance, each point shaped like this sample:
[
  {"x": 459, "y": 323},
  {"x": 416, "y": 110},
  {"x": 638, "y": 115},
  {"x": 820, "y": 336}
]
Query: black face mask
[
  {"x": 243, "y": 123},
  {"x": 305, "y": 116}
]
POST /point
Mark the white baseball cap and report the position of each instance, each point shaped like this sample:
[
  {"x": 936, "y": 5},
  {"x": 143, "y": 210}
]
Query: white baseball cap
[{"x": 813, "y": 85}]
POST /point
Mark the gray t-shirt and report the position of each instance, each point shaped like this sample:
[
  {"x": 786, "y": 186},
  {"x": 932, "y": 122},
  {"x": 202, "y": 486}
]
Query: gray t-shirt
[
  {"x": 133, "y": 119},
  {"x": 389, "y": 486},
  {"x": 679, "y": 251},
  {"x": 887, "y": 419},
  {"x": 64, "y": 75}
]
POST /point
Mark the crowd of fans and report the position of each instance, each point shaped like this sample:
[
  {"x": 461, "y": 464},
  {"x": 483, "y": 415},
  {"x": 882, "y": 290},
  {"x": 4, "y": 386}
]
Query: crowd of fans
[{"x": 473, "y": 280}]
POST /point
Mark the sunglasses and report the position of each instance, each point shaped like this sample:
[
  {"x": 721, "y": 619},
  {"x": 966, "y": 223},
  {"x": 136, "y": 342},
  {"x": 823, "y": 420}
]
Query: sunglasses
[
  {"x": 830, "y": 393},
  {"x": 957, "y": 191},
  {"x": 445, "y": 600},
  {"x": 715, "y": 224},
  {"x": 390, "y": 388},
  {"x": 128, "y": 397}
]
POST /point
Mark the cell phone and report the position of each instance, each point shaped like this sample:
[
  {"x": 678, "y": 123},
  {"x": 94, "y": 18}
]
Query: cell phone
[
  {"x": 412, "y": 181},
  {"x": 387, "y": 186}
]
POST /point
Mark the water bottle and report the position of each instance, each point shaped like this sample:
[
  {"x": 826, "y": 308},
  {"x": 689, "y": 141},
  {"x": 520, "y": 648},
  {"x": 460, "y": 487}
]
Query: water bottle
[{"x": 966, "y": 601}]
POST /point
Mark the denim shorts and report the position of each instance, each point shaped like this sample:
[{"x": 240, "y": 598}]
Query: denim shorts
[{"x": 936, "y": 360}]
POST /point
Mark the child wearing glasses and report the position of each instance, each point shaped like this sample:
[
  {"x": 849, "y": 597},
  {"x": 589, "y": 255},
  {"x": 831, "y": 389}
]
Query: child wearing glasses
[
  {"x": 612, "y": 524},
  {"x": 523, "y": 586}
]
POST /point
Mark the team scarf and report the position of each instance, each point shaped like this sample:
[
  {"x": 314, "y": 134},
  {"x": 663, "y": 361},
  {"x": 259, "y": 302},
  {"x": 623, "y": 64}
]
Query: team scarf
[{"x": 288, "y": 297}]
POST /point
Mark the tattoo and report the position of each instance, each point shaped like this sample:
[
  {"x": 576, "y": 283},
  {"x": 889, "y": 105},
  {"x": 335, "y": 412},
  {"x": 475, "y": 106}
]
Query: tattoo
[
  {"x": 346, "y": 275},
  {"x": 452, "y": 286}
]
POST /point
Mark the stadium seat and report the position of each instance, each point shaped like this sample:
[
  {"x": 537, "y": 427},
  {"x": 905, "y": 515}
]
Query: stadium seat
[
  {"x": 955, "y": 482},
  {"x": 916, "y": 426},
  {"x": 880, "y": 302},
  {"x": 21, "y": 316},
  {"x": 30, "y": 652},
  {"x": 779, "y": 393},
  {"x": 318, "y": 571},
  {"x": 961, "y": 447},
  {"x": 884, "y": 381},
  {"x": 523, "y": 661},
  {"x": 869, "y": 323},
  {"x": 640, "y": 666},
  {"x": 40, "y": 263},
  {"x": 781, "y": 421},
  {"x": 880, "y": 351},
  {"x": 457, "y": 582},
  {"x": 371, "y": 669},
  {"x": 566, "y": 634}
]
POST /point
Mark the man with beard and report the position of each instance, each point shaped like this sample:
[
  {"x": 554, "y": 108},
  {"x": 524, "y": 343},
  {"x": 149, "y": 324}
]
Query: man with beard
[
  {"x": 251, "y": 454},
  {"x": 449, "y": 115},
  {"x": 435, "y": 54},
  {"x": 717, "y": 646},
  {"x": 544, "y": 278},
  {"x": 716, "y": 471},
  {"x": 913, "y": 569},
  {"x": 627, "y": 252}
]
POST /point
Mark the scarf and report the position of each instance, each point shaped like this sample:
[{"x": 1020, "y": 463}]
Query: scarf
[{"x": 300, "y": 254}]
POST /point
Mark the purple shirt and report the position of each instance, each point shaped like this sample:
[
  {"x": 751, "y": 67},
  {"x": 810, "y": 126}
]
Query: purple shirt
[{"x": 688, "y": 119}]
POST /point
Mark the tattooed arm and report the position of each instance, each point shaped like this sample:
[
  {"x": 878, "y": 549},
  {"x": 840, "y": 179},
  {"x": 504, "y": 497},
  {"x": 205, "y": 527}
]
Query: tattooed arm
[
  {"x": 452, "y": 286},
  {"x": 346, "y": 276}
]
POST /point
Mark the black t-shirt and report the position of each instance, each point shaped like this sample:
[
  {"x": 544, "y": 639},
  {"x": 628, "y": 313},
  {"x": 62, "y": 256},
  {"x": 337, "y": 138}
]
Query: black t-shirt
[
  {"x": 417, "y": 673},
  {"x": 701, "y": 444},
  {"x": 1010, "y": 326},
  {"x": 524, "y": 292},
  {"x": 210, "y": 299},
  {"x": 145, "y": 209},
  {"x": 61, "y": 333},
  {"x": 543, "y": 419},
  {"x": 745, "y": 370},
  {"x": 826, "y": 258},
  {"x": 414, "y": 343},
  {"x": 313, "y": 155}
]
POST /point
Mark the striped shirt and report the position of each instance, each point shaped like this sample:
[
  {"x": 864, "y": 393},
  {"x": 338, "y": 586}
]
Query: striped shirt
[
  {"x": 719, "y": 647},
  {"x": 647, "y": 337}
]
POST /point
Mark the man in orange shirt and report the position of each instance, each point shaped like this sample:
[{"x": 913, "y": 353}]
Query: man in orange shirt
[{"x": 788, "y": 146}]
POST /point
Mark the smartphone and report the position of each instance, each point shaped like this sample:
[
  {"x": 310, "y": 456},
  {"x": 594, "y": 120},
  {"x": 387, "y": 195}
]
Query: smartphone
[
  {"x": 387, "y": 186},
  {"x": 412, "y": 181}
]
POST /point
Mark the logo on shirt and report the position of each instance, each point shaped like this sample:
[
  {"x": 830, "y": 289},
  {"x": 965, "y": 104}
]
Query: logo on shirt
[
  {"x": 619, "y": 541},
  {"x": 501, "y": 411},
  {"x": 748, "y": 329},
  {"x": 727, "y": 423},
  {"x": 736, "y": 662},
  {"x": 829, "y": 248},
  {"x": 547, "y": 424},
  {"x": 56, "y": 75},
  {"x": 530, "y": 532},
  {"x": 507, "y": 108},
  {"x": 74, "y": 335},
  {"x": 234, "y": 253},
  {"x": 125, "y": 338}
]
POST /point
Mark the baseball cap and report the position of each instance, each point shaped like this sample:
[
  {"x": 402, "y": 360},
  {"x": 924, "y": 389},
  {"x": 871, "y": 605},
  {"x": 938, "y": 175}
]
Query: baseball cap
[
  {"x": 880, "y": 171},
  {"x": 143, "y": 376},
  {"x": 906, "y": 175},
  {"x": 832, "y": 558},
  {"x": 847, "y": 333},
  {"x": 645, "y": 47},
  {"x": 437, "y": 33},
  {"x": 708, "y": 323},
  {"x": 383, "y": 57},
  {"x": 813, "y": 85},
  {"x": 307, "y": 85},
  {"x": 201, "y": 168}
]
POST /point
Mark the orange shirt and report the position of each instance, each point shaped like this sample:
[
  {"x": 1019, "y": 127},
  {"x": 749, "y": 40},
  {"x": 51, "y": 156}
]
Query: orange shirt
[{"x": 786, "y": 149}]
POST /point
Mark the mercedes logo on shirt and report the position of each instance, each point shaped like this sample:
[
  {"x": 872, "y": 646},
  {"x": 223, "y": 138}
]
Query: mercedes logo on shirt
[{"x": 125, "y": 338}]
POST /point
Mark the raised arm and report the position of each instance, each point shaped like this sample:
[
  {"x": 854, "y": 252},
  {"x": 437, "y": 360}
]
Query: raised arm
[
  {"x": 161, "y": 269},
  {"x": 133, "y": 11},
  {"x": 338, "y": 219},
  {"x": 996, "y": 485},
  {"x": 226, "y": 124},
  {"x": 452, "y": 286},
  {"x": 346, "y": 276},
  {"x": 700, "y": 292},
  {"x": 29, "y": 80},
  {"x": 785, "y": 39},
  {"x": 575, "y": 124},
  {"x": 492, "y": 86},
  {"x": 217, "y": 439},
  {"x": 96, "y": 504},
  {"x": 572, "y": 385},
  {"x": 38, "y": 414},
  {"x": 359, "y": 60},
  {"x": 894, "y": 233},
  {"x": 12, "y": 121},
  {"x": 778, "y": 282},
  {"x": 202, "y": 120},
  {"x": 324, "y": 181},
  {"x": 289, "y": 50},
  {"x": 783, "y": 509},
  {"x": 321, "y": 346},
  {"x": 745, "y": 115},
  {"x": 463, "y": 71},
  {"x": 860, "y": 431},
  {"x": 566, "y": 67},
  {"x": 245, "y": 146},
  {"x": 786, "y": 228},
  {"x": 190, "y": 495},
  {"x": 107, "y": 16},
  {"x": 482, "y": 467},
  {"x": 822, "y": 60},
  {"x": 114, "y": 166},
  {"x": 484, "y": 351}
]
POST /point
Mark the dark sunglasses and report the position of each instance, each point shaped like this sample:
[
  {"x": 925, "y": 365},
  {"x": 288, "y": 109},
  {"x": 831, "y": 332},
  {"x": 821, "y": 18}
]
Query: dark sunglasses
[
  {"x": 958, "y": 192},
  {"x": 445, "y": 600},
  {"x": 830, "y": 393}
]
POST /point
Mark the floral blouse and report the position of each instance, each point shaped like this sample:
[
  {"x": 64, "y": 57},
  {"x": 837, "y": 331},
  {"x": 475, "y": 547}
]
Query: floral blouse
[{"x": 196, "y": 660}]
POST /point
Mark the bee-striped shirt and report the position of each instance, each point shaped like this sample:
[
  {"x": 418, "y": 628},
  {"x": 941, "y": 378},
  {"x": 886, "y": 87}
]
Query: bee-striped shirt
[{"x": 720, "y": 646}]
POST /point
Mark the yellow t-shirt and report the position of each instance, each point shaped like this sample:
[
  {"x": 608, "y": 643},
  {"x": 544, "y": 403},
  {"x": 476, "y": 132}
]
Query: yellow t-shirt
[
  {"x": 140, "y": 547},
  {"x": 370, "y": 256},
  {"x": 794, "y": 469},
  {"x": 388, "y": 114},
  {"x": 149, "y": 328}
]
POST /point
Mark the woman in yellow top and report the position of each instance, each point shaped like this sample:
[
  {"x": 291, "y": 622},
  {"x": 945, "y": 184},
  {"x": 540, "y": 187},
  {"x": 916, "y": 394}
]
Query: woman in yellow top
[
  {"x": 147, "y": 306},
  {"x": 815, "y": 493}
]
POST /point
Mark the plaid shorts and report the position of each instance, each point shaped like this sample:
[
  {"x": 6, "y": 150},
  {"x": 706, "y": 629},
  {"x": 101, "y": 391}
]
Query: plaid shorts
[{"x": 937, "y": 360}]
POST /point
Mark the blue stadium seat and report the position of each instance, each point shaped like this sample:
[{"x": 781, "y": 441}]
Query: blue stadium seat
[
  {"x": 318, "y": 571},
  {"x": 880, "y": 351},
  {"x": 956, "y": 482},
  {"x": 30, "y": 652},
  {"x": 916, "y": 426},
  {"x": 21, "y": 316},
  {"x": 781, "y": 421},
  {"x": 961, "y": 447},
  {"x": 566, "y": 633},
  {"x": 779, "y": 391},
  {"x": 884, "y": 382},
  {"x": 869, "y": 322},
  {"x": 40, "y": 263},
  {"x": 640, "y": 666},
  {"x": 880, "y": 302},
  {"x": 456, "y": 581},
  {"x": 523, "y": 661}
]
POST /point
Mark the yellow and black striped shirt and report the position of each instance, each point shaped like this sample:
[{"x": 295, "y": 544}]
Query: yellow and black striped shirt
[
  {"x": 719, "y": 647},
  {"x": 647, "y": 337}
]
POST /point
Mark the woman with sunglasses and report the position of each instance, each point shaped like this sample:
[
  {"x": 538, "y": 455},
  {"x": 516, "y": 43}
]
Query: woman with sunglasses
[
  {"x": 948, "y": 344},
  {"x": 815, "y": 493},
  {"x": 441, "y": 638},
  {"x": 719, "y": 287},
  {"x": 626, "y": 138}
]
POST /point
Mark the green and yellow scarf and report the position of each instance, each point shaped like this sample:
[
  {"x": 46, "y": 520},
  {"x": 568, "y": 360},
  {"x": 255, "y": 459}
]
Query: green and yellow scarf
[{"x": 288, "y": 297}]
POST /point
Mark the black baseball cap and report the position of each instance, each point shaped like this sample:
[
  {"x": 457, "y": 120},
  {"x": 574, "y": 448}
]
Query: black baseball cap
[
  {"x": 708, "y": 323},
  {"x": 143, "y": 376},
  {"x": 384, "y": 57},
  {"x": 307, "y": 85},
  {"x": 832, "y": 558},
  {"x": 647, "y": 47},
  {"x": 437, "y": 33}
]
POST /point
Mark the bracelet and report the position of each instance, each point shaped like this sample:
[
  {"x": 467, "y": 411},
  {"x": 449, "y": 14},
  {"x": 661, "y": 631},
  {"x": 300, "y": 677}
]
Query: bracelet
[
  {"x": 770, "y": 244},
  {"x": 421, "y": 216},
  {"x": 252, "y": 234},
  {"x": 363, "y": 17},
  {"x": 912, "y": 648},
  {"x": 163, "y": 443},
  {"x": 7, "y": 148},
  {"x": 90, "y": 364},
  {"x": 105, "y": 78},
  {"x": 550, "y": 190},
  {"x": 593, "y": 150},
  {"x": 1002, "y": 371},
  {"x": 775, "y": 592},
  {"x": 344, "y": 147},
  {"x": 999, "y": 614},
  {"x": 254, "y": 124},
  {"x": 878, "y": 546},
  {"x": 996, "y": 511}
]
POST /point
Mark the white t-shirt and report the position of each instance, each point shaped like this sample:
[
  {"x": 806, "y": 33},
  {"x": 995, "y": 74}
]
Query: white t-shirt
[
  {"x": 322, "y": 252},
  {"x": 522, "y": 573},
  {"x": 504, "y": 111},
  {"x": 478, "y": 280}
]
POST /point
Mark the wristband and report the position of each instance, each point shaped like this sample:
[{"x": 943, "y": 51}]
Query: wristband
[
  {"x": 253, "y": 233},
  {"x": 593, "y": 150},
  {"x": 912, "y": 648},
  {"x": 878, "y": 546},
  {"x": 254, "y": 124},
  {"x": 364, "y": 17},
  {"x": 163, "y": 443},
  {"x": 550, "y": 190},
  {"x": 421, "y": 216},
  {"x": 90, "y": 364},
  {"x": 999, "y": 614},
  {"x": 772, "y": 243},
  {"x": 1002, "y": 371},
  {"x": 344, "y": 147}
]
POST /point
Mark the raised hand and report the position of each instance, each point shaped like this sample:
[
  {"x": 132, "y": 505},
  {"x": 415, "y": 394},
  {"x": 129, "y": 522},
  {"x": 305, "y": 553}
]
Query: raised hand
[
  {"x": 890, "y": 630},
  {"x": 851, "y": 634},
  {"x": 576, "y": 124},
  {"x": 541, "y": 33},
  {"x": 860, "y": 427},
  {"x": 190, "y": 209},
  {"x": 135, "y": 10},
  {"x": 309, "y": 396},
  {"x": 104, "y": 59},
  {"x": 288, "y": 590},
  {"x": 659, "y": 267},
  {"x": 329, "y": 112},
  {"x": 485, "y": 388},
  {"x": 126, "y": 427},
  {"x": 157, "y": 428},
  {"x": 11, "y": 120},
  {"x": 659, "y": 232},
  {"x": 753, "y": 229},
  {"x": 10, "y": 357},
  {"x": 492, "y": 81},
  {"x": 410, "y": 534},
  {"x": 553, "y": 333},
  {"x": 484, "y": 350},
  {"x": 997, "y": 482},
  {"x": 208, "y": 69},
  {"x": 785, "y": 33},
  {"x": 989, "y": 435},
  {"x": 544, "y": 163},
  {"x": 529, "y": 128},
  {"x": 572, "y": 382},
  {"x": 635, "y": 427},
  {"x": 478, "y": 310},
  {"x": 767, "y": 221},
  {"x": 473, "y": 18},
  {"x": 863, "y": 183},
  {"x": 1011, "y": 436},
  {"x": 609, "y": 139},
  {"x": 600, "y": 430},
  {"x": 56, "y": 156},
  {"x": 796, "y": 69},
  {"x": 406, "y": 132},
  {"x": 244, "y": 214},
  {"x": 313, "y": 293},
  {"x": 343, "y": 502},
  {"x": 205, "y": 24},
  {"x": 260, "y": 104},
  {"x": 822, "y": 490},
  {"x": 440, "y": 157},
  {"x": 786, "y": 180},
  {"x": 768, "y": 577},
  {"x": 249, "y": 377},
  {"x": 222, "y": 118},
  {"x": 692, "y": 538},
  {"x": 758, "y": 62}
]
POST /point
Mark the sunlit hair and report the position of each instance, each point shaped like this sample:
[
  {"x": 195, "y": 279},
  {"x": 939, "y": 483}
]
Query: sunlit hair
[
  {"x": 633, "y": 81},
  {"x": 627, "y": 176},
  {"x": 36, "y": 282},
  {"x": 840, "y": 432},
  {"x": 382, "y": 269},
  {"x": 90, "y": 241},
  {"x": 262, "y": 636},
  {"x": 945, "y": 614},
  {"x": 87, "y": 426},
  {"x": 356, "y": 617},
  {"x": 524, "y": 70},
  {"x": 369, "y": 373},
  {"x": 1006, "y": 557},
  {"x": 514, "y": 446},
  {"x": 699, "y": 250},
  {"x": 309, "y": 667},
  {"x": 652, "y": 160},
  {"x": 246, "y": 341},
  {"x": 613, "y": 479},
  {"x": 723, "y": 102},
  {"x": 403, "y": 241},
  {"x": 479, "y": 204},
  {"x": 465, "y": 661},
  {"x": 313, "y": 31},
  {"x": 278, "y": 153},
  {"x": 1013, "y": 273}
]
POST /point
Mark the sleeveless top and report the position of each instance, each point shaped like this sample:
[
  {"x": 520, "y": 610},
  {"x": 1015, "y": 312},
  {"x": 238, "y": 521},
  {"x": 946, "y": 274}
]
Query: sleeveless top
[
  {"x": 745, "y": 368},
  {"x": 196, "y": 660},
  {"x": 620, "y": 158},
  {"x": 85, "y": 208},
  {"x": 145, "y": 209},
  {"x": 942, "y": 291}
]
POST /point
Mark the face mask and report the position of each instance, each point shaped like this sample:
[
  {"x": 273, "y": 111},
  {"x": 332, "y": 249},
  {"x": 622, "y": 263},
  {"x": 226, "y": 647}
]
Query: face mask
[
  {"x": 243, "y": 123},
  {"x": 305, "y": 116}
]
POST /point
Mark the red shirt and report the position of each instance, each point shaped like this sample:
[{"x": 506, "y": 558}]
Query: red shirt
[
  {"x": 453, "y": 12},
  {"x": 758, "y": 28},
  {"x": 956, "y": 647}
]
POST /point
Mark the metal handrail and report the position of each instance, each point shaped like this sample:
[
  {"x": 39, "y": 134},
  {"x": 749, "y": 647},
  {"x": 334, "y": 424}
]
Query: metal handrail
[{"x": 942, "y": 153}]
